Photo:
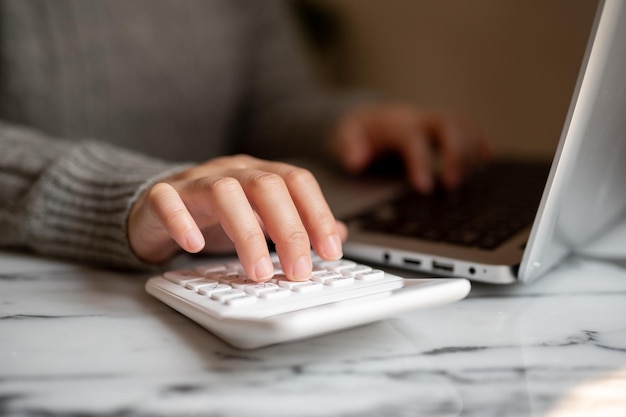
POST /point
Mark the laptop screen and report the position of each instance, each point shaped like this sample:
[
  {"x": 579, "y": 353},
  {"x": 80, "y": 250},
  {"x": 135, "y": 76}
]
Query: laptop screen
[{"x": 585, "y": 194}]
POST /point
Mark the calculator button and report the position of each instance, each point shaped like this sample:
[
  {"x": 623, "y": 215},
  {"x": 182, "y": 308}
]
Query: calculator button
[
  {"x": 341, "y": 281},
  {"x": 372, "y": 275},
  {"x": 211, "y": 268},
  {"x": 260, "y": 288},
  {"x": 242, "y": 283},
  {"x": 308, "y": 287},
  {"x": 230, "y": 277},
  {"x": 284, "y": 283},
  {"x": 213, "y": 288},
  {"x": 196, "y": 285},
  {"x": 359, "y": 269},
  {"x": 182, "y": 276},
  {"x": 275, "y": 294},
  {"x": 336, "y": 265},
  {"x": 222, "y": 296},
  {"x": 319, "y": 276},
  {"x": 243, "y": 300},
  {"x": 290, "y": 284},
  {"x": 317, "y": 271}
]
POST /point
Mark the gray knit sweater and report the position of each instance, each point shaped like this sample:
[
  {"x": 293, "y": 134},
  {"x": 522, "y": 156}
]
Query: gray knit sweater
[{"x": 100, "y": 98}]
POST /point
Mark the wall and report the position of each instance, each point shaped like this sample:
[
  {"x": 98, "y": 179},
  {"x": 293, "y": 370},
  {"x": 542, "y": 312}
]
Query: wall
[{"x": 508, "y": 64}]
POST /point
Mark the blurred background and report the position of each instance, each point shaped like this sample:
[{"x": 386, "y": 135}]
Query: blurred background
[{"x": 510, "y": 65}]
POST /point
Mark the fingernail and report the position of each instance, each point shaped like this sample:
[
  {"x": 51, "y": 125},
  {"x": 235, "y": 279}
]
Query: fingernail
[
  {"x": 195, "y": 241},
  {"x": 332, "y": 247},
  {"x": 263, "y": 270},
  {"x": 302, "y": 269}
]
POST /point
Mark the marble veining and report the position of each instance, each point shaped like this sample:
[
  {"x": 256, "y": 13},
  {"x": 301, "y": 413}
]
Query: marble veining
[{"x": 77, "y": 341}]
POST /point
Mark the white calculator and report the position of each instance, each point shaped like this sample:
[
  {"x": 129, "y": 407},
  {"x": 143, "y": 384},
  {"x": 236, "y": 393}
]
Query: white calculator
[{"x": 340, "y": 294}]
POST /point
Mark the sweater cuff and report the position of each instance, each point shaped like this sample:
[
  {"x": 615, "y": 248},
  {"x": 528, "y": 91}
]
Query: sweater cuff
[{"x": 80, "y": 206}]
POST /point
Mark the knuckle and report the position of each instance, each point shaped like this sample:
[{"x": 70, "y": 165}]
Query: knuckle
[
  {"x": 249, "y": 238},
  {"x": 324, "y": 221},
  {"x": 266, "y": 180},
  {"x": 297, "y": 237},
  {"x": 161, "y": 197},
  {"x": 299, "y": 177},
  {"x": 221, "y": 185},
  {"x": 176, "y": 215},
  {"x": 157, "y": 191},
  {"x": 165, "y": 204}
]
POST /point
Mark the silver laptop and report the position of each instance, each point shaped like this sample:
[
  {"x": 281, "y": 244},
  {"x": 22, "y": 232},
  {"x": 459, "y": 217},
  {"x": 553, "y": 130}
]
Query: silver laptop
[{"x": 554, "y": 209}]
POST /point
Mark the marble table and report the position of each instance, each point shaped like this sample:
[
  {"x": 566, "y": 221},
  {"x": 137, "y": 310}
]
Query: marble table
[{"x": 77, "y": 341}]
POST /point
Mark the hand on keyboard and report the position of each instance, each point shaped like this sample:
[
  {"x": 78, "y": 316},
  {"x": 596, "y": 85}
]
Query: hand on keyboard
[{"x": 429, "y": 143}]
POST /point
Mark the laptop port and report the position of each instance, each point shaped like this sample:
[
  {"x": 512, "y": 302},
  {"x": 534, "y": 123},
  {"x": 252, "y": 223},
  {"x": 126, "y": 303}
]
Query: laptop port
[
  {"x": 443, "y": 267},
  {"x": 413, "y": 262}
]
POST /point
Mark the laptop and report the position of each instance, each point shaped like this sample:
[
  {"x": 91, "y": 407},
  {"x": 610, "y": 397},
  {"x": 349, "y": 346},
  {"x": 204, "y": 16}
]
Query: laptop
[{"x": 555, "y": 208}]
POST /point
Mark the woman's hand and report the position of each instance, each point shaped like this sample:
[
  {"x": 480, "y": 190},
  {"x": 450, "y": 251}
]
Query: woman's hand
[
  {"x": 235, "y": 202},
  {"x": 429, "y": 143}
]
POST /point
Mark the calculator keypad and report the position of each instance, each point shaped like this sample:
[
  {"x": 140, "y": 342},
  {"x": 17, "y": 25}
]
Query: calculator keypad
[{"x": 228, "y": 284}]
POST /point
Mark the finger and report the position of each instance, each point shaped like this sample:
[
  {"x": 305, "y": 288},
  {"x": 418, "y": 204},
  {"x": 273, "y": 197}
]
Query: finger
[
  {"x": 219, "y": 242},
  {"x": 271, "y": 199},
  {"x": 471, "y": 141},
  {"x": 353, "y": 147},
  {"x": 167, "y": 206},
  {"x": 406, "y": 132},
  {"x": 481, "y": 152},
  {"x": 229, "y": 204},
  {"x": 483, "y": 146},
  {"x": 313, "y": 209},
  {"x": 463, "y": 147},
  {"x": 454, "y": 150},
  {"x": 417, "y": 157}
]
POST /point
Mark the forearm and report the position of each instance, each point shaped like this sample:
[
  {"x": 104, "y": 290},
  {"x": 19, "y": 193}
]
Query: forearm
[{"x": 70, "y": 200}]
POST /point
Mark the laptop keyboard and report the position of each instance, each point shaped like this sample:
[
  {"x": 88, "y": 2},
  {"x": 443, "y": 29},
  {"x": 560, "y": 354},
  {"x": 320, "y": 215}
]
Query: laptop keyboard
[{"x": 496, "y": 204}]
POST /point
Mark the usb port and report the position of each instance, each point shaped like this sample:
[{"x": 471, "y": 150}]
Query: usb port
[
  {"x": 443, "y": 267},
  {"x": 413, "y": 262}
]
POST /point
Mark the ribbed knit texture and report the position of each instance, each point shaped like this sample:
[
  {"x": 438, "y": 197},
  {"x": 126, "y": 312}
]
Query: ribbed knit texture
[
  {"x": 71, "y": 200},
  {"x": 96, "y": 96}
]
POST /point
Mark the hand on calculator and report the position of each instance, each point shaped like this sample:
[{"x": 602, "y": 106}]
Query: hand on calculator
[{"x": 236, "y": 202}]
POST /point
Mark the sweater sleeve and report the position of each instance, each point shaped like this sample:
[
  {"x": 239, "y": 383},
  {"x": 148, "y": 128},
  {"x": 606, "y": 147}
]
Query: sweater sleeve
[
  {"x": 290, "y": 112},
  {"x": 71, "y": 199}
]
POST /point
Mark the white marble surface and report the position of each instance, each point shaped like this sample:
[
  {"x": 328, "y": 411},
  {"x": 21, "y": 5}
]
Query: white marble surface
[{"x": 76, "y": 341}]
